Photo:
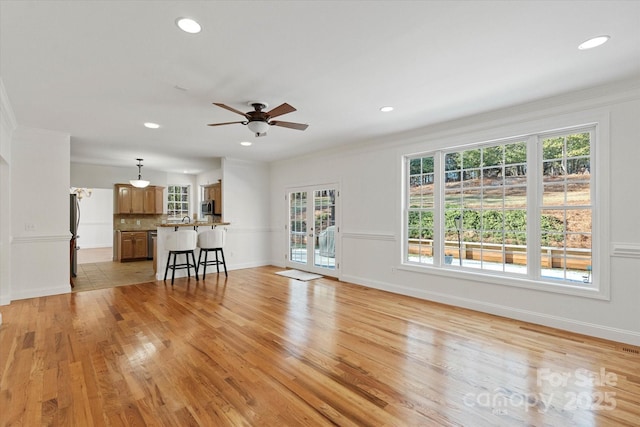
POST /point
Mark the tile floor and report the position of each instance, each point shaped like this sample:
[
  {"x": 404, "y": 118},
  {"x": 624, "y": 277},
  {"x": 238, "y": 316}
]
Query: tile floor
[{"x": 96, "y": 270}]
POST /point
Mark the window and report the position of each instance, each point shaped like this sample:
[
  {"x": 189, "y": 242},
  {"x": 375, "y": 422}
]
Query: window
[
  {"x": 421, "y": 210},
  {"x": 178, "y": 201},
  {"x": 566, "y": 209},
  {"x": 519, "y": 208}
]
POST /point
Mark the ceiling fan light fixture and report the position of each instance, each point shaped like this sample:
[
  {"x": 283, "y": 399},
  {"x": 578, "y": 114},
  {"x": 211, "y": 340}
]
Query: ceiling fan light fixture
[
  {"x": 139, "y": 183},
  {"x": 188, "y": 25},
  {"x": 258, "y": 126}
]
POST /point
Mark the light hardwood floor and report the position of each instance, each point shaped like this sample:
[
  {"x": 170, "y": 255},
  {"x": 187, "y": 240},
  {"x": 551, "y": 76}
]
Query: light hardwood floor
[{"x": 258, "y": 349}]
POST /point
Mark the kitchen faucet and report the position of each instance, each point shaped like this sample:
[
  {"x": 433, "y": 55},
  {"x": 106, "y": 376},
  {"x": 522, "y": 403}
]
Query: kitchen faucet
[{"x": 188, "y": 219}]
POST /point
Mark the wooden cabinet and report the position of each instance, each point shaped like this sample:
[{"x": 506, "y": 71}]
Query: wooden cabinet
[
  {"x": 149, "y": 200},
  {"x": 137, "y": 200},
  {"x": 159, "y": 200},
  {"x": 132, "y": 245},
  {"x": 122, "y": 200},
  {"x": 132, "y": 200},
  {"x": 214, "y": 192}
]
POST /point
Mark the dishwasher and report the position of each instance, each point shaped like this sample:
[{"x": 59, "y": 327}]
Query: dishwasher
[{"x": 151, "y": 234}]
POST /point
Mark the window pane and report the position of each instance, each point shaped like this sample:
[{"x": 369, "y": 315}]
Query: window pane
[
  {"x": 452, "y": 161},
  {"x": 427, "y": 165},
  {"x": 492, "y": 177},
  {"x": 515, "y": 153},
  {"x": 515, "y": 197},
  {"x": 473, "y": 198},
  {"x": 471, "y": 159},
  {"x": 552, "y": 148},
  {"x": 493, "y": 156},
  {"x": 471, "y": 178},
  {"x": 415, "y": 166}
]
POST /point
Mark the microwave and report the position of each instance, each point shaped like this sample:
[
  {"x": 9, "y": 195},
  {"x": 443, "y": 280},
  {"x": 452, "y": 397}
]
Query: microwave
[{"x": 206, "y": 208}]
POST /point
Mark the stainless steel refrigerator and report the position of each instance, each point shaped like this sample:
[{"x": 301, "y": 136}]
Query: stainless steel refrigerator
[{"x": 74, "y": 222}]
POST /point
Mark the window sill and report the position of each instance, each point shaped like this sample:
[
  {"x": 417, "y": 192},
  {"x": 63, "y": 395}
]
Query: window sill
[{"x": 590, "y": 291}]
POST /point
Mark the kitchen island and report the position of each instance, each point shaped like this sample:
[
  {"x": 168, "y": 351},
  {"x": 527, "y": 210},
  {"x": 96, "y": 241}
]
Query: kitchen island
[{"x": 162, "y": 254}]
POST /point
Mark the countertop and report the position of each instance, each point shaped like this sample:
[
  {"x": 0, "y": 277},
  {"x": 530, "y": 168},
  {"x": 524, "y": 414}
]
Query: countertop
[{"x": 193, "y": 224}]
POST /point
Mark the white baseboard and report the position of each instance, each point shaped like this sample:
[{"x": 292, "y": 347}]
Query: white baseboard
[
  {"x": 585, "y": 328},
  {"x": 252, "y": 264},
  {"x": 40, "y": 292}
]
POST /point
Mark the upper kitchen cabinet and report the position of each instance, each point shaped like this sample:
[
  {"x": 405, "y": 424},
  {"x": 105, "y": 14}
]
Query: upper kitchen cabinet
[
  {"x": 132, "y": 200},
  {"x": 159, "y": 199},
  {"x": 214, "y": 192}
]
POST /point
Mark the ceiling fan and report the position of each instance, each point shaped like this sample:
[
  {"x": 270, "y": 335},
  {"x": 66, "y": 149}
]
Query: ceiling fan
[{"x": 258, "y": 121}]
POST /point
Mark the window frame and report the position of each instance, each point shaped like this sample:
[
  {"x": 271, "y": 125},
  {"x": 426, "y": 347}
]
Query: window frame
[
  {"x": 597, "y": 123},
  {"x": 188, "y": 202}
]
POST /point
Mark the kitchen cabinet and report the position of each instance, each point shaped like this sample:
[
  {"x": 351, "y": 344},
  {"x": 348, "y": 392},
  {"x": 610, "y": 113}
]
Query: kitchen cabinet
[
  {"x": 137, "y": 200},
  {"x": 159, "y": 200},
  {"x": 122, "y": 202},
  {"x": 131, "y": 200},
  {"x": 132, "y": 245},
  {"x": 214, "y": 192}
]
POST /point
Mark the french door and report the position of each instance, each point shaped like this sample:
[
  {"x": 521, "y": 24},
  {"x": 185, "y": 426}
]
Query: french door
[{"x": 313, "y": 229}]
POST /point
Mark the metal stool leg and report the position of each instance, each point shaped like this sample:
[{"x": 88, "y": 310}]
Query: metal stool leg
[
  {"x": 193, "y": 255},
  {"x": 166, "y": 270},
  {"x": 186, "y": 255},
  {"x": 173, "y": 272},
  {"x": 224, "y": 263},
  {"x": 206, "y": 257}
]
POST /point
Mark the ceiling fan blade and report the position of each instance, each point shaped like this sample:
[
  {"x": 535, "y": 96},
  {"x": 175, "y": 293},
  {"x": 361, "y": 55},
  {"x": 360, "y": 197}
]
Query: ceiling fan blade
[
  {"x": 298, "y": 126},
  {"x": 280, "y": 110},
  {"x": 226, "y": 107},
  {"x": 226, "y": 123}
]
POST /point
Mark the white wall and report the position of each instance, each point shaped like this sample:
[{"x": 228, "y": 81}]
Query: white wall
[
  {"x": 96, "y": 220},
  {"x": 40, "y": 236},
  {"x": 97, "y": 176},
  {"x": 369, "y": 175},
  {"x": 7, "y": 126},
  {"x": 245, "y": 204}
]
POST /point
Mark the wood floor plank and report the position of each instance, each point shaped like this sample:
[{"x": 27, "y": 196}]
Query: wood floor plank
[{"x": 256, "y": 348}]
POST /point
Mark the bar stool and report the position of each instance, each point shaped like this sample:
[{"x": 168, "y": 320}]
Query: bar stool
[
  {"x": 181, "y": 242},
  {"x": 208, "y": 241}
]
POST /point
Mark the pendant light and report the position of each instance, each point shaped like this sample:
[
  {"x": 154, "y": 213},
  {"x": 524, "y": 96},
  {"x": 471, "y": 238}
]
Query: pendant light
[{"x": 140, "y": 183}]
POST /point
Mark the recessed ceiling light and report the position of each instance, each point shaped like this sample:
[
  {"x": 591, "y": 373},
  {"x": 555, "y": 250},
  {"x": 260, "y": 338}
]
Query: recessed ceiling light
[
  {"x": 188, "y": 25},
  {"x": 151, "y": 125},
  {"x": 246, "y": 143},
  {"x": 386, "y": 109},
  {"x": 593, "y": 42}
]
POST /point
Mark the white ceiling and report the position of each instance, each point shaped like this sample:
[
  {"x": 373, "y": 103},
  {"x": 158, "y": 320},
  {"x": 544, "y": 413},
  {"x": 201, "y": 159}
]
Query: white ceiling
[{"x": 99, "y": 69}]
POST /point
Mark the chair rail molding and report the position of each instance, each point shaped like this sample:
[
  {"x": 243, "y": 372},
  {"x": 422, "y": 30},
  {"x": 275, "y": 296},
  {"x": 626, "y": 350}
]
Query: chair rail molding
[
  {"x": 625, "y": 250},
  {"x": 369, "y": 236}
]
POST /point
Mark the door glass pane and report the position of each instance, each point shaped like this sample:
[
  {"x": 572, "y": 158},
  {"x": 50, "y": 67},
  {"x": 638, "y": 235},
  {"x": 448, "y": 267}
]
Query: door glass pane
[
  {"x": 298, "y": 227},
  {"x": 324, "y": 202}
]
